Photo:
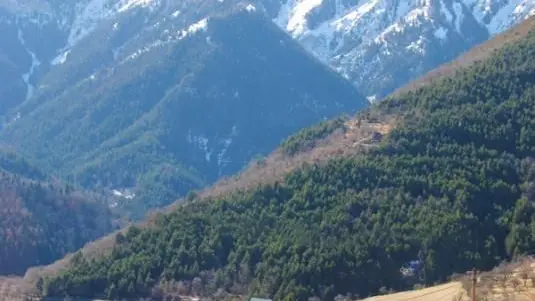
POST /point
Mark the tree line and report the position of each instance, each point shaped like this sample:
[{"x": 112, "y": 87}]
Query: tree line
[{"x": 453, "y": 186}]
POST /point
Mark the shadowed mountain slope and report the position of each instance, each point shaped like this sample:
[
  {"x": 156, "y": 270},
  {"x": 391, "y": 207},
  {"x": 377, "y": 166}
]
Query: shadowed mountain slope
[{"x": 179, "y": 114}]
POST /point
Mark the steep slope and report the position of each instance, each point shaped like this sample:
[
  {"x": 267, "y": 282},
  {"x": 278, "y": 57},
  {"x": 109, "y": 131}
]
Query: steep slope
[
  {"x": 476, "y": 54},
  {"x": 180, "y": 113},
  {"x": 43, "y": 221},
  {"x": 450, "y": 186},
  {"x": 378, "y": 45},
  {"x": 342, "y": 136},
  {"x": 30, "y": 36}
]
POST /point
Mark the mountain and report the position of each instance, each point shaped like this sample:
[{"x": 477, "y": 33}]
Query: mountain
[
  {"x": 476, "y": 54},
  {"x": 441, "y": 176},
  {"x": 154, "y": 123},
  {"x": 378, "y": 45},
  {"x": 382, "y": 44},
  {"x": 42, "y": 220},
  {"x": 102, "y": 53}
]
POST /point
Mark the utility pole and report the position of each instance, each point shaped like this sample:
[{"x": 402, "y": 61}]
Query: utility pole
[{"x": 474, "y": 282}]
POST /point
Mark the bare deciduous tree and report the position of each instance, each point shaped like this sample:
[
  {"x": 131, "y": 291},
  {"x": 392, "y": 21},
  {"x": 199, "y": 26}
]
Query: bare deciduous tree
[
  {"x": 197, "y": 286},
  {"x": 516, "y": 283},
  {"x": 458, "y": 297},
  {"x": 525, "y": 271}
]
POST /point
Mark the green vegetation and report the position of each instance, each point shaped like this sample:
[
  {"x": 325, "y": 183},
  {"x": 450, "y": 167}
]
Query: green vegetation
[
  {"x": 11, "y": 162},
  {"x": 453, "y": 186},
  {"x": 307, "y": 138},
  {"x": 155, "y": 188},
  {"x": 41, "y": 222},
  {"x": 188, "y": 107}
]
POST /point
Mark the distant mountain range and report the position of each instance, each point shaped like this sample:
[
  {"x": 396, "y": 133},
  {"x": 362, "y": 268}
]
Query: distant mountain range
[
  {"x": 153, "y": 104},
  {"x": 378, "y": 45},
  {"x": 381, "y": 44}
]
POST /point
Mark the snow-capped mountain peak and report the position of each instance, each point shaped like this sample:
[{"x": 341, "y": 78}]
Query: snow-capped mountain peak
[
  {"x": 88, "y": 15},
  {"x": 368, "y": 40},
  {"x": 377, "y": 44}
]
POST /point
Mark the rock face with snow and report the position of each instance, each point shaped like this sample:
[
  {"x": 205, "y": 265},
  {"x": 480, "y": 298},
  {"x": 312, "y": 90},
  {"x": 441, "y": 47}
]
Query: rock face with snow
[
  {"x": 381, "y": 44},
  {"x": 158, "y": 101},
  {"x": 377, "y": 44}
]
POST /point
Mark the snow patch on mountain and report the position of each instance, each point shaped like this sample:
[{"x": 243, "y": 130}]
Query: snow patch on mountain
[
  {"x": 444, "y": 11},
  {"x": 89, "y": 14},
  {"x": 201, "y": 25},
  {"x": 194, "y": 28},
  {"x": 441, "y": 33},
  {"x": 201, "y": 142},
  {"x": 61, "y": 58},
  {"x": 34, "y": 64},
  {"x": 129, "y": 4},
  {"x": 223, "y": 161},
  {"x": 147, "y": 48},
  {"x": 359, "y": 39},
  {"x": 497, "y": 16},
  {"x": 459, "y": 16},
  {"x": 297, "y": 23},
  {"x": 124, "y": 193}
]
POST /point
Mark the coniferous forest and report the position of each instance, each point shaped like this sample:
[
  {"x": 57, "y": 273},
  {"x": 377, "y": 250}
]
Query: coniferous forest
[{"x": 452, "y": 185}]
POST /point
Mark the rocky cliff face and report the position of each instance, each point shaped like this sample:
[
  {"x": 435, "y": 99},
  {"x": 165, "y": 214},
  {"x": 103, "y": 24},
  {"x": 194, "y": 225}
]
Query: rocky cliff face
[{"x": 380, "y": 44}]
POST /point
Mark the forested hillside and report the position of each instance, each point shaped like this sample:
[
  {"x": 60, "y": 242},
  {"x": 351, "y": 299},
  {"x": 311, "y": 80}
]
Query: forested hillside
[
  {"x": 452, "y": 185},
  {"x": 179, "y": 114},
  {"x": 42, "y": 221},
  {"x": 13, "y": 163}
]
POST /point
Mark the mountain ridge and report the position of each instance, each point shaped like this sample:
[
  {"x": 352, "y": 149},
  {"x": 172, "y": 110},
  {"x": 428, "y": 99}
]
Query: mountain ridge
[
  {"x": 417, "y": 194},
  {"x": 134, "y": 125},
  {"x": 377, "y": 45},
  {"x": 476, "y": 54},
  {"x": 262, "y": 171}
]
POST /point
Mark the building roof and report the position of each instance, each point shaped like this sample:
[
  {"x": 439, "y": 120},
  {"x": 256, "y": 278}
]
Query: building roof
[{"x": 259, "y": 299}]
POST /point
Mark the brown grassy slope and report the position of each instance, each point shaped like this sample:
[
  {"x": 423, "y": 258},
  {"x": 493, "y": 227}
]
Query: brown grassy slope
[
  {"x": 507, "y": 282},
  {"x": 278, "y": 164},
  {"x": 273, "y": 168},
  {"x": 13, "y": 289},
  {"x": 444, "y": 292},
  {"x": 354, "y": 140},
  {"x": 478, "y": 53}
]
